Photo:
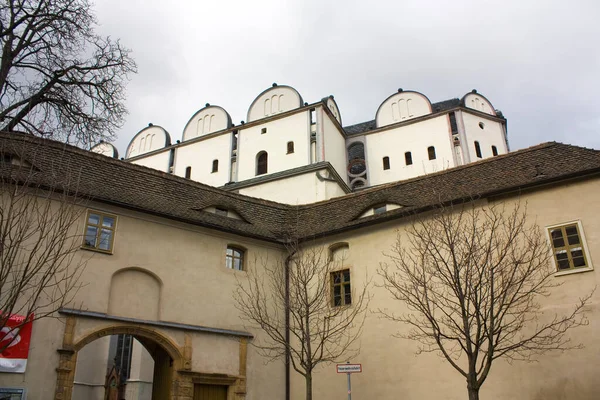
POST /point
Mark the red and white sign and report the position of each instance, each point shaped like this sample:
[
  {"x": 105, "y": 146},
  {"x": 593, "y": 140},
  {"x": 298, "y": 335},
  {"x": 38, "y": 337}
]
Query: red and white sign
[
  {"x": 14, "y": 357},
  {"x": 348, "y": 368}
]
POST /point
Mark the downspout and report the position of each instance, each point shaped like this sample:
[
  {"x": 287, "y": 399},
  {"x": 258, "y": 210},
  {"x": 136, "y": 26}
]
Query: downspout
[{"x": 287, "y": 322}]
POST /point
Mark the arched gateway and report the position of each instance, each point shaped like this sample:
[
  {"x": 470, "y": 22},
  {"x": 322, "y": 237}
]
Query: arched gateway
[{"x": 172, "y": 344}]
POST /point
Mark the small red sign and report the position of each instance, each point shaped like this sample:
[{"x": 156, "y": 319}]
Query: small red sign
[{"x": 15, "y": 336}]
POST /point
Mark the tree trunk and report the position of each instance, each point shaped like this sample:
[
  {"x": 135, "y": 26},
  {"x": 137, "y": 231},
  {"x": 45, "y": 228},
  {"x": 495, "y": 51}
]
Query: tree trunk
[
  {"x": 308, "y": 386},
  {"x": 473, "y": 393}
]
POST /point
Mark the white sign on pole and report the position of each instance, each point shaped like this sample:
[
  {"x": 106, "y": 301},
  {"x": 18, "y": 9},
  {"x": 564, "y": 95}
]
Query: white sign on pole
[{"x": 348, "y": 368}]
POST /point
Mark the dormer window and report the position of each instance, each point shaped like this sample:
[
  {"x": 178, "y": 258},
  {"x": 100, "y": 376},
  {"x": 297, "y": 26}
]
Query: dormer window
[{"x": 379, "y": 209}]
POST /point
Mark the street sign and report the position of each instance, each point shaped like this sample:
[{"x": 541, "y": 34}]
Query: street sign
[{"x": 348, "y": 368}]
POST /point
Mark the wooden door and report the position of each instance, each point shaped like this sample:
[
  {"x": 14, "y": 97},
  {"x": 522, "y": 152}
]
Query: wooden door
[{"x": 210, "y": 392}]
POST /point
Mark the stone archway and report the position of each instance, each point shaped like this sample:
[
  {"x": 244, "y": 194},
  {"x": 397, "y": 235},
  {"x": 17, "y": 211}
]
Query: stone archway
[{"x": 180, "y": 386}]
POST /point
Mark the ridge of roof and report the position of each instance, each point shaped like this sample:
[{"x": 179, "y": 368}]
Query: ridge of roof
[{"x": 154, "y": 192}]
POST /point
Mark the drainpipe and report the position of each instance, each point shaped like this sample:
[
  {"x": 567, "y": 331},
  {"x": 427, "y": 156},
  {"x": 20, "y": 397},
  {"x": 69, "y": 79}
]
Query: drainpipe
[{"x": 287, "y": 321}]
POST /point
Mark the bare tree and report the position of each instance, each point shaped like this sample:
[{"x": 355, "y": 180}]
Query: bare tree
[
  {"x": 472, "y": 278},
  {"x": 40, "y": 236},
  {"x": 57, "y": 77},
  {"x": 321, "y": 332}
]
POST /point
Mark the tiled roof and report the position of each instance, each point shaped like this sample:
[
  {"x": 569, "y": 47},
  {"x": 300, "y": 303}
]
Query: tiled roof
[
  {"x": 147, "y": 190},
  {"x": 366, "y": 126}
]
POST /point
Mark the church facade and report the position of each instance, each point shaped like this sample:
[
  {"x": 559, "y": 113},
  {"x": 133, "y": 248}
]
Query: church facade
[{"x": 168, "y": 232}]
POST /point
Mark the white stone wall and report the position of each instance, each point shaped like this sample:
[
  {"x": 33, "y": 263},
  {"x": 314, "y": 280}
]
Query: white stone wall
[
  {"x": 159, "y": 161},
  {"x": 402, "y": 107},
  {"x": 479, "y": 103},
  {"x": 200, "y": 155},
  {"x": 416, "y": 138},
  {"x": 274, "y": 101},
  {"x": 208, "y": 120},
  {"x": 287, "y": 190},
  {"x": 334, "y": 144},
  {"x": 492, "y": 134},
  {"x": 279, "y": 132},
  {"x": 147, "y": 140}
]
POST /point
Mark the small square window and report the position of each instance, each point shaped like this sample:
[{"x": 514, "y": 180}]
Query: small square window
[
  {"x": 99, "y": 231},
  {"x": 263, "y": 131},
  {"x": 341, "y": 293},
  {"x": 568, "y": 247}
]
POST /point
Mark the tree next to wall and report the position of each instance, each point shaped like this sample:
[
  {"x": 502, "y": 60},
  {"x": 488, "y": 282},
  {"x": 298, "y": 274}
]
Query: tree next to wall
[
  {"x": 471, "y": 278},
  {"x": 316, "y": 328}
]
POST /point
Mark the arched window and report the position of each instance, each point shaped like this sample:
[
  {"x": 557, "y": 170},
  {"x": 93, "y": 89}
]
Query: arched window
[
  {"x": 339, "y": 252},
  {"x": 431, "y": 152},
  {"x": 215, "y": 166},
  {"x": 188, "y": 172},
  {"x": 494, "y": 151},
  {"x": 261, "y": 163},
  {"x": 408, "y": 158},
  {"x": 290, "y": 147},
  {"x": 386, "y": 163},
  {"x": 234, "y": 258},
  {"x": 477, "y": 149}
]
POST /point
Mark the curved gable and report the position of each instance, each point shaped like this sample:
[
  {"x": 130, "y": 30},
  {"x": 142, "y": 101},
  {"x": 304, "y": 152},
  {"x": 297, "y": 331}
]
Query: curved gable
[
  {"x": 402, "y": 106},
  {"x": 332, "y": 106},
  {"x": 274, "y": 100},
  {"x": 478, "y": 102},
  {"x": 105, "y": 149},
  {"x": 148, "y": 139},
  {"x": 207, "y": 120}
]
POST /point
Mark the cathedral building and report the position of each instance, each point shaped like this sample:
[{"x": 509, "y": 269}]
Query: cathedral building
[{"x": 169, "y": 231}]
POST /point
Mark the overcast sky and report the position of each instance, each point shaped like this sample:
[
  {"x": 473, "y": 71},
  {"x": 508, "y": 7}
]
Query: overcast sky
[{"x": 537, "y": 61}]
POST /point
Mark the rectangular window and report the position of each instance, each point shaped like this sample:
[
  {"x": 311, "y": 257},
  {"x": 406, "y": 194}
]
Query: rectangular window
[
  {"x": 340, "y": 288},
  {"x": 453, "y": 126},
  {"x": 568, "y": 247},
  {"x": 386, "y": 163},
  {"x": 99, "y": 231},
  {"x": 123, "y": 356},
  {"x": 477, "y": 149},
  {"x": 431, "y": 152},
  {"x": 290, "y": 147},
  {"x": 408, "y": 158},
  {"x": 494, "y": 151},
  {"x": 12, "y": 394}
]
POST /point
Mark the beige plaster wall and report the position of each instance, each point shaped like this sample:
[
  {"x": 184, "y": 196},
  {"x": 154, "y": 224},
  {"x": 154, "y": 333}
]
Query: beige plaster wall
[{"x": 391, "y": 369}]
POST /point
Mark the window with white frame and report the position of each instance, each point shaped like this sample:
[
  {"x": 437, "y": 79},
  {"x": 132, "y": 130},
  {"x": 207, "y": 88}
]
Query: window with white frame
[{"x": 568, "y": 246}]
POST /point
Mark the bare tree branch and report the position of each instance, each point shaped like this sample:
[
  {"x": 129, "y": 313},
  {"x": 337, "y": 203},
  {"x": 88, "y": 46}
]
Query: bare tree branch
[
  {"x": 471, "y": 278},
  {"x": 57, "y": 77},
  {"x": 320, "y": 332}
]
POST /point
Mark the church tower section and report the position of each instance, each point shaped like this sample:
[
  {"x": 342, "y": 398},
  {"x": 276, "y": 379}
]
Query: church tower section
[
  {"x": 206, "y": 149},
  {"x": 276, "y": 136},
  {"x": 149, "y": 147}
]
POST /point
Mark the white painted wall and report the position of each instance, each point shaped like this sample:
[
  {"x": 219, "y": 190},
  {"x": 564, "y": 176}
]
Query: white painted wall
[
  {"x": 492, "y": 134},
  {"x": 287, "y": 190},
  {"x": 159, "y": 161},
  {"x": 331, "y": 104},
  {"x": 402, "y": 107},
  {"x": 415, "y": 138},
  {"x": 334, "y": 145},
  {"x": 200, "y": 155},
  {"x": 207, "y": 120},
  {"x": 105, "y": 149},
  {"x": 279, "y": 132},
  {"x": 147, "y": 140},
  {"x": 274, "y": 101},
  {"x": 479, "y": 103}
]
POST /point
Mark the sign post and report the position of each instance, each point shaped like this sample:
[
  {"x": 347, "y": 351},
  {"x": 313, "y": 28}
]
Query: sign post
[{"x": 349, "y": 369}]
